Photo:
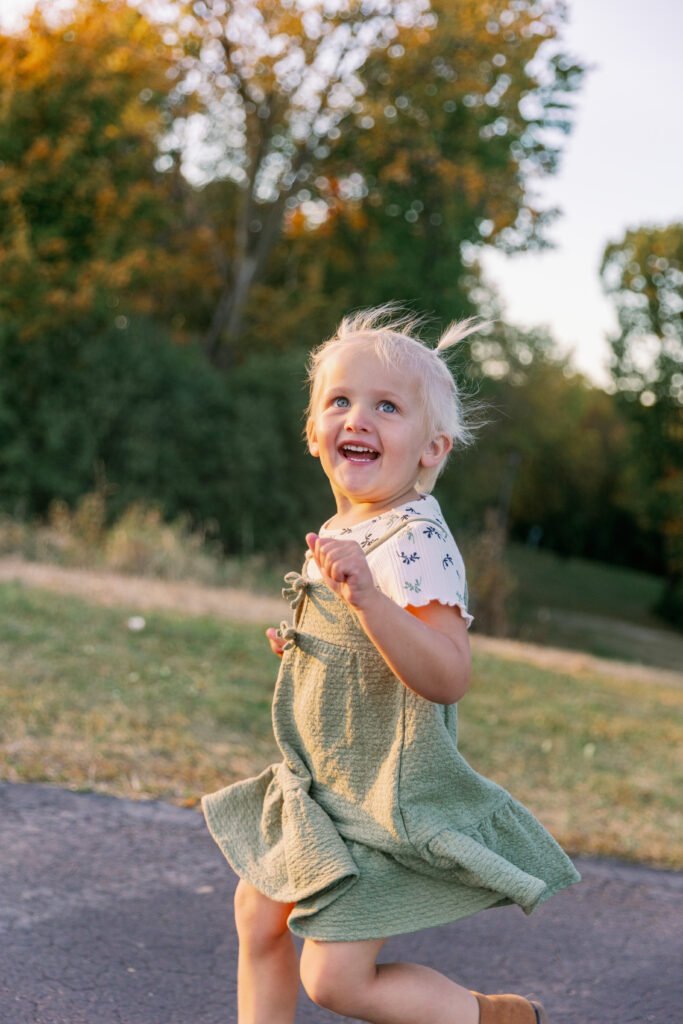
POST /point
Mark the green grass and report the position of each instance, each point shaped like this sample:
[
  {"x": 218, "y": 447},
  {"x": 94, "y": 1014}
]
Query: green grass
[
  {"x": 575, "y": 584},
  {"x": 166, "y": 712},
  {"x": 588, "y": 606},
  {"x": 183, "y": 707},
  {"x": 598, "y": 759}
]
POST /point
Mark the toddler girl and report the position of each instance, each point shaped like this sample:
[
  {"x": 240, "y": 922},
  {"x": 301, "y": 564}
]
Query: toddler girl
[{"x": 373, "y": 824}]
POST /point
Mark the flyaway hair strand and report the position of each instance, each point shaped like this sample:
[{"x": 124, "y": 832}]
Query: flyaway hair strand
[{"x": 460, "y": 329}]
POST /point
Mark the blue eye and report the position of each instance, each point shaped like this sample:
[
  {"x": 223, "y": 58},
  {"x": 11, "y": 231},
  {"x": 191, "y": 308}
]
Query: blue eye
[
  {"x": 340, "y": 402},
  {"x": 387, "y": 406}
]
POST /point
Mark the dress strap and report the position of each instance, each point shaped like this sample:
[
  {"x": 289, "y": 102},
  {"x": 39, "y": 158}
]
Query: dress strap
[{"x": 407, "y": 523}]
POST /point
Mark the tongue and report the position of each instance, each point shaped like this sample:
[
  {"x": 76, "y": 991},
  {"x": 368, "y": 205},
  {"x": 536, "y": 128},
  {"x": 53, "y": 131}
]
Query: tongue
[{"x": 354, "y": 456}]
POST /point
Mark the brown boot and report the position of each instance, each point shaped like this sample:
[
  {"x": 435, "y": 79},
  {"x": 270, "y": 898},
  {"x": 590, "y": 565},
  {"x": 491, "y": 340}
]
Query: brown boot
[{"x": 508, "y": 1009}]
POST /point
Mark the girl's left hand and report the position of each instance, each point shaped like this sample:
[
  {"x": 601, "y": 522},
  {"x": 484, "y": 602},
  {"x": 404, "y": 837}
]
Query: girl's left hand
[
  {"x": 277, "y": 644},
  {"x": 344, "y": 568}
]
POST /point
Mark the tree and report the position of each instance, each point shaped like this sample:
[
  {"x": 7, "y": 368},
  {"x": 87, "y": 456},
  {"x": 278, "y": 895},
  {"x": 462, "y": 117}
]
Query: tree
[
  {"x": 276, "y": 80},
  {"x": 452, "y": 129},
  {"x": 399, "y": 130},
  {"x": 88, "y": 220},
  {"x": 643, "y": 273}
]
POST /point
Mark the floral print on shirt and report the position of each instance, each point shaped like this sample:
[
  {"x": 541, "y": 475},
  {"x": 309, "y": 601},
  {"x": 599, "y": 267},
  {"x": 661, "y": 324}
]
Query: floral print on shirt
[{"x": 422, "y": 547}]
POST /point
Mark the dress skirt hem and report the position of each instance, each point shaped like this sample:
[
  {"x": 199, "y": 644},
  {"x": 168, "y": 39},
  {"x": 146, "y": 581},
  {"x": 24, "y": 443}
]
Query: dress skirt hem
[{"x": 350, "y": 891}]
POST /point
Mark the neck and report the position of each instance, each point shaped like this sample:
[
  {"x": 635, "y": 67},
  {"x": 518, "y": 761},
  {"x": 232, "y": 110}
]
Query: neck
[{"x": 349, "y": 514}]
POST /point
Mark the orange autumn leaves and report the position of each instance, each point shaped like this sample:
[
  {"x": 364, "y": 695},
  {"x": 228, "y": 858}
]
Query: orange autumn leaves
[{"x": 88, "y": 219}]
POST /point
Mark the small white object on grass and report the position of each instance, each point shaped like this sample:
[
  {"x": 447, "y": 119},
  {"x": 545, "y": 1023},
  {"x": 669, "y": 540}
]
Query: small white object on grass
[{"x": 136, "y": 623}]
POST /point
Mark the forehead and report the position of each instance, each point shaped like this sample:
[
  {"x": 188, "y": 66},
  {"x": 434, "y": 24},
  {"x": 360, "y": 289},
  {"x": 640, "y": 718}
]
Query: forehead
[{"x": 359, "y": 365}]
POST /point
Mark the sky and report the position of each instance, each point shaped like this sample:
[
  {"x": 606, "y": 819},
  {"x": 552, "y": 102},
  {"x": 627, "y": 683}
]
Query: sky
[{"x": 621, "y": 168}]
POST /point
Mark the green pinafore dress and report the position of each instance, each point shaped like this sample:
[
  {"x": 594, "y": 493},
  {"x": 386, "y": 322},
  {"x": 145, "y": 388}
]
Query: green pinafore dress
[{"x": 373, "y": 824}]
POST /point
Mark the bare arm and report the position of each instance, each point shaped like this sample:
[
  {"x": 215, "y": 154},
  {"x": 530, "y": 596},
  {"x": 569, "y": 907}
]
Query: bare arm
[{"x": 426, "y": 647}]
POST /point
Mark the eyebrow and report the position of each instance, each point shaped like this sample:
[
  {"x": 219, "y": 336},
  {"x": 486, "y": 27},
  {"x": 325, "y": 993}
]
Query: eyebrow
[{"x": 378, "y": 393}]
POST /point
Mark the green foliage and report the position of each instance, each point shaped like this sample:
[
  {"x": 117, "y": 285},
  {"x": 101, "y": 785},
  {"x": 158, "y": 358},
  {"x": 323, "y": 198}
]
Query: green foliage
[
  {"x": 154, "y": 422},
  {"x": 125, "y": 401},
  {"x": 643, "y": 273},
  {"x": 551, "y": 457},
  {"x": 277, "y": 489},
  {"x": 162, "y": 426}
]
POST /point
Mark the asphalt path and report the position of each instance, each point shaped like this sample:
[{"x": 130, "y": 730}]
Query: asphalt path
[{"x": 117, "y": 912}]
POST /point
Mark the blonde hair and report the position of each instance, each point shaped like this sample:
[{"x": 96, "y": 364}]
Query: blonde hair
[{"x": 394, "y": 337}]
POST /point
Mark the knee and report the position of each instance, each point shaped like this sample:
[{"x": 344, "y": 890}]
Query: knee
[
  {"x": 324, "y": 981},
  {"x": 321, "y": 986},
  {"x": 259, "y": 920}
]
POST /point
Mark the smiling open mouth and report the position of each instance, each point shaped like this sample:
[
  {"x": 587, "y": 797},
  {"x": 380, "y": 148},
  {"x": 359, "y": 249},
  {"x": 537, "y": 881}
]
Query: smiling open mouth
[{"x": 359, "y": 453}]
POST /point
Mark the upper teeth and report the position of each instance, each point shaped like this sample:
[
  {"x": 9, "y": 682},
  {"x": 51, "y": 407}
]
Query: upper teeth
[{"x": 358, "y": 448}]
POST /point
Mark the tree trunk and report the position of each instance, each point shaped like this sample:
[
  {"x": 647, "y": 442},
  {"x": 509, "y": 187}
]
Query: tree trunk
[
  {"x": 228, "y": 315},
  {"x": 228, "y": 318}
]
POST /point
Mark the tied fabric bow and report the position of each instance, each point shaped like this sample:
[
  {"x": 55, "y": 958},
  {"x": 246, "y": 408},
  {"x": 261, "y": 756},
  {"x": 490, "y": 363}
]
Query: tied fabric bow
[
  {"x": 296, "y": 591},
  {"x": 288, "y": 634}
]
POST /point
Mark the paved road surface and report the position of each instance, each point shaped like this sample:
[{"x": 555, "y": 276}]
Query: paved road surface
[{"x": 114, "y": 912}]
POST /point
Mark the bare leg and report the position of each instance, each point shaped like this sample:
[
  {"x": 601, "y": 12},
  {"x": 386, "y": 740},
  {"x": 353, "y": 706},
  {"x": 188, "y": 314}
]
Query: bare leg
[
  {"x": 344, "y": 977},
  {"x": 267, "y": 968}
]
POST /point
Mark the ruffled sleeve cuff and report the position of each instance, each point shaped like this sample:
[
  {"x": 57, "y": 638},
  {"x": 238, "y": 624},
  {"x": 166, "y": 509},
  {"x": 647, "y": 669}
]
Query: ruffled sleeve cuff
[{"x": 421, "y": 564}]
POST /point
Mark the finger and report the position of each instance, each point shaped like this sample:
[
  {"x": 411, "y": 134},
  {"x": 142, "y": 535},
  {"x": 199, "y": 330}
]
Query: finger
[
  {"x": 314, "y": 545},
  {"x": 340, "y": 570},
  {"x": 327, "y": 555},
  {"x": 276, "y": 642},
  {"x": 311, "y": 539},
  {"x": 328, "y": 568}
]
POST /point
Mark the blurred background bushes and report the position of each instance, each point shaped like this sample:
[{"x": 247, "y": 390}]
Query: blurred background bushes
[{"x": 145, "y": 419}]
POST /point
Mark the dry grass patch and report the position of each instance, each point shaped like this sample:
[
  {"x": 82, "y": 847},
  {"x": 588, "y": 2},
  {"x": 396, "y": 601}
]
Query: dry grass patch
[{"x": 598, "y": 759}]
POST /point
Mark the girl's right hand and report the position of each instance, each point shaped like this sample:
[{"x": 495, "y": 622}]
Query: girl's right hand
[
  {"x": 344, "y": 568},
  {"x": 277, "y": 644}
]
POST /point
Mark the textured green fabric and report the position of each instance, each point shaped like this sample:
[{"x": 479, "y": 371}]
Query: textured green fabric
[{"x": 373, "y": 824}]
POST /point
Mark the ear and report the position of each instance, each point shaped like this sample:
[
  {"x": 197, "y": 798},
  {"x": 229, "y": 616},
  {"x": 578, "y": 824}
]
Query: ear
[
  {"x": 313, "y": 446},
  {"x": 436, "y": 450}
]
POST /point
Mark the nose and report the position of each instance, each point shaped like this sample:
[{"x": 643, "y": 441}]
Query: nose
[{"x": 357, "y": 418}]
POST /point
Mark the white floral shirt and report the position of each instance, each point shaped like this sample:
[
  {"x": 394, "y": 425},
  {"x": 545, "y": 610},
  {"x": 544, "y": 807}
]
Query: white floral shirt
[{"x": 418, "y": 563}]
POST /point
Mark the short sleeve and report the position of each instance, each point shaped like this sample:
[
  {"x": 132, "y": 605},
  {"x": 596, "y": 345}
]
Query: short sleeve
[{"x": 421, "y": 563}]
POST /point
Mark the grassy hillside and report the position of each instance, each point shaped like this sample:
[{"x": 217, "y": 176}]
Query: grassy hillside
[
  {"x": 602, "y": 609},
  {"x": 576, "y": 584}
]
